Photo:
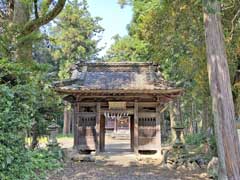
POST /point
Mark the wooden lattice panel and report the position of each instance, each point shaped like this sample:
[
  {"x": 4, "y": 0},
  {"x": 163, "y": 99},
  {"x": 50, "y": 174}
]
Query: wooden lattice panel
[
  {"x": 86, "y": 131},
  {"x": 147, "y": 132}
]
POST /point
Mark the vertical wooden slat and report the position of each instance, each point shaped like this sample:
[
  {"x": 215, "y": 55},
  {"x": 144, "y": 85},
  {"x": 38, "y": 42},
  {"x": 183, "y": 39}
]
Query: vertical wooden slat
[
  {"x": 73, "y": 118},
  {"x": 132, "y": 132},
  {"x": 158, "y": 127},
  {"x": 102, "y": 133},
  {"x": 98, "y": 126},
  {"x": 136, "y": 127},
  {"x": 67, "y": 121},
  {"x": 75, "y": 124}
]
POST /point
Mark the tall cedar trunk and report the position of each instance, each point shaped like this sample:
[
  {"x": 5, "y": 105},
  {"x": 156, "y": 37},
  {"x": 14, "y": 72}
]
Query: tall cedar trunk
[
  {"x": 223, "y": 108},
  {"x": 20, "y": 18}
]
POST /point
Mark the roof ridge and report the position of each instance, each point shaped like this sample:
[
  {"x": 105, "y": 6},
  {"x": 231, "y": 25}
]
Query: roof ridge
[{"x": 121, "y": 63}]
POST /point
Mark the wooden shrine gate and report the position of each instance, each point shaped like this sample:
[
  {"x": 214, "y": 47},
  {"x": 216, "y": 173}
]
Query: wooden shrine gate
[
  {"x": 90, "y": 127},
  {"x": 136, "y": 88}
]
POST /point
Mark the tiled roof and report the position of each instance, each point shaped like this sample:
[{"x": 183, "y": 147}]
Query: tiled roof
[{"x": 114, "y": 76}]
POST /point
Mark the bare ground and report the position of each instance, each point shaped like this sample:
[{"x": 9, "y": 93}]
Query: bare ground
[
  {"x": 105, "y": 170},
  {"x": 120, "y": 164}
]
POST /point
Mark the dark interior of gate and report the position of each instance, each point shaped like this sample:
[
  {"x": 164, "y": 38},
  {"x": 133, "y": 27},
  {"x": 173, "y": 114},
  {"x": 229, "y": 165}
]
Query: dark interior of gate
[{"x": 98, "y": 91}]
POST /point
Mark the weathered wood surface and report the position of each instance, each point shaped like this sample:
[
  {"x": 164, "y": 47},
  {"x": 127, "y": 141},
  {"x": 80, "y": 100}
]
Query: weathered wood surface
[
  {"x": 147, "y": 131},
  {"x": 67, "y": 116},
  {"x": 86, "y": 134},
  {"x": 158, "y": 127},
  {"x": 102, "y": 133},
  {"x": 136, "y": 127},
  {"x": 98, "y": 118}
]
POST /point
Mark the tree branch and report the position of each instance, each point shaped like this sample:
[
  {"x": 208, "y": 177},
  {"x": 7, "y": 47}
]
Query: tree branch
[
  {"x": 232, "y": 22},
  {"x": 2, "y": 15},
  {"x": 36, "y": 23},
  {"x": 36, "y": 9},
  {"x": 10, "y": 9}
]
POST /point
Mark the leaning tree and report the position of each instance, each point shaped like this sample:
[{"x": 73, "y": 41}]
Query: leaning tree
[{"x": 23, "y": 18}]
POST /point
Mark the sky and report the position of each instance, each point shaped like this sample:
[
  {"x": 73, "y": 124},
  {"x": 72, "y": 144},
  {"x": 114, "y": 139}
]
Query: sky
[{"x": 114, "y": 20}]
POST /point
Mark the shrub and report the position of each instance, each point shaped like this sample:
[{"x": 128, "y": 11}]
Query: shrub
[
  {"x": 195, "y": 139},
  {"x": 25, "y": 99}
]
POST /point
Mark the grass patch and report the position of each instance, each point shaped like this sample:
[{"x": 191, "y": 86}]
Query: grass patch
[{"x": 65, "y": 136}]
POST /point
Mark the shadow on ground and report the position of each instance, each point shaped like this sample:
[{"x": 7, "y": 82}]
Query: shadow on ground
[
  {"x": 123, "y": 166},
  {"x": 118, "y": 163}
]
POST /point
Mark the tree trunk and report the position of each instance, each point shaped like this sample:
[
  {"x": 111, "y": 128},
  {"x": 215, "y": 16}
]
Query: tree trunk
[
  {"x": 191, "y": 128},
  {"x": 34, "y": 133},
  {"x": 223, "y": 108},
  {"x": 174, "y": 118},
  {"x": 205, "y": 120},
  {"x": 25, "y": 26},
  {"x": 20, "y": 18},
  {"x": 66, "y": 119}
]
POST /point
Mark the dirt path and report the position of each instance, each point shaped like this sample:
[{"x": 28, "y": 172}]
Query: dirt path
[
  {"x": 123, "y": 166},
  {"x": 108, "y": 170},
  {"x": 118, "y": 164}
]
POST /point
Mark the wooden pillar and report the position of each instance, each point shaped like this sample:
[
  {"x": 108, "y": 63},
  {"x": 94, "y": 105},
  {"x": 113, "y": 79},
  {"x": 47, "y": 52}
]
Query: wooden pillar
[
  {"x": 136, "y": 127},
  {"x": 75, "y": 111},
  {"x": 102, "y": 133},
  {"x": 115, "y": 126},
  {"x": 158, "y": 128},
  {"x": 66, "y": 121},
  {"x": 98, "y": 118},
  {"x": 73, "y": 118},
  {"x": 132, "y": 131}
]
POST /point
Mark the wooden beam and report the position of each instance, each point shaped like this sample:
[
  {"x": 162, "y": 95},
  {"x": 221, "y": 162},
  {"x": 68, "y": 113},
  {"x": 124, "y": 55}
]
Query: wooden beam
[
  {"x": 147, "y": 104},
  {"x": 129, "y": 111},
  {"x": 129, "y": 104},
  {"x": 136, "y": 127},
  {"x": 147, "y": 114}
]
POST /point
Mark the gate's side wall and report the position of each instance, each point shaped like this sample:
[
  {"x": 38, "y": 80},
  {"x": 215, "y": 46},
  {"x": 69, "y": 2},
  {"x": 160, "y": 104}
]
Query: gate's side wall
[{"x": 85, "y": 122}]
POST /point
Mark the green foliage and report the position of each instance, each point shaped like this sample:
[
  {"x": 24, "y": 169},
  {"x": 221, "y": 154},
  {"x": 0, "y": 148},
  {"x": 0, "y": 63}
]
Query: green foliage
[
  {"x": 195, "y": 139},
  {"x": 26, "y": 99},
  {"x": 199, "y": 139},
  {"x": 173, "y": 36},
  {"x": 28, "y": 103},
  {"x": 32, "y": 166},
  {"x": 128, "y": 49},
  {"x": 74, "y": 36},
  {"x": 213, "y": 145},
  {"x": 170, "y": 33}
]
